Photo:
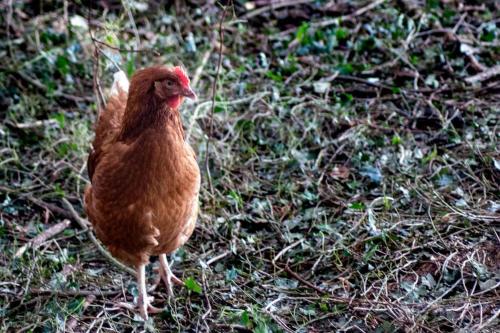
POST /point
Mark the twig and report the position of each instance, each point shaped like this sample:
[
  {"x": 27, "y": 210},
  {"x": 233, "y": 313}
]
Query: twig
[
  {"x": 218, "y": 257},
  {"x": 95, "y": 80},
  {"x": 132, "y": 21},
  {"x": 480, "y": 328},
  {"x": 437, "y": 299},
  {"x": 273, "y": 6},
  {"x": 199, "y": 69},
  {"x": 282, "y": 252},
  {"x": 96, "y": 84},
  {"x": 326, "y": 316},
  {"x": 53, "y": 208},
  {"x": 476, "y": 64},
  {"x": 233, "y": 327},
  {"x": 328, "y": 22},
  {"x": 483, "y": 76},
  {"x": 153, "y": 51},
  {"x": 434, "y": 226},
  {"x": 72, "y": 293},
  {"x": 8, "y": 22},
  {"x": 83, "y": 224},
  {"x": 44, "y": 88},
  {"x": 36, "y": 123},
  {"x": 205, "y": 104},
  {"x": 41, "y": 238},
  {"x": 303, "y": 281},
  {"x": 207, "y": 300},
  {"x": 358, "y": 12},
  {"x": 214, "y": 89},
  {"x": 27, "y": 304},
  {"x": 99, "y": 24}
]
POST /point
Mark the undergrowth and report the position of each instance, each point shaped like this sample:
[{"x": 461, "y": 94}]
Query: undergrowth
[{"x": 354, "y": 164}]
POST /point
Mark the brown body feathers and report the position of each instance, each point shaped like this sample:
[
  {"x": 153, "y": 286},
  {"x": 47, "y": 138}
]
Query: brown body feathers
[{"x": 143, "y": 197}]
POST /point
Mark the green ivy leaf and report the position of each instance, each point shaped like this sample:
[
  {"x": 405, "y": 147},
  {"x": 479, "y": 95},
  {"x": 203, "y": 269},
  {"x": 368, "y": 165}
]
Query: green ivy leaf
[
  {"x": 396, "y": 140},
  {"x": 431, "y": 156},
  {"x": 371, "y": 251},
  {"x": 245, "y": 319},
  {"x": 76, "y": 305},
  {"x": 192, "y": 285},
  {"x": 277, "y": 77},
  {"x": 62, "y": 64},
  {"x": 302, "y": 33},
  {"x": 341, "y": 34},
  {"x": 357, "y": 206},
  {"x": 488, "y": 36},
  {"x": 60, "y": 118},
  {"x": 130, "y": 66}
]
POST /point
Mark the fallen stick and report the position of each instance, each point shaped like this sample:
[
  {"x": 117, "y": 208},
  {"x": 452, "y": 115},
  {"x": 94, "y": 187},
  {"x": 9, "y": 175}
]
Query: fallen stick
[
  {"x": 37, "y": 123},
  {"x": 73, "y": 293},
  {"x": 358, "y": 12},
  {"x": 328, "y": 22},
  {"x": 51, "y": 207},
  {"x": 483, "y": 76},
  {"x": 43, "y": 237},
  {"x": 199, "y": 69},
  {"x": 43, "y": 87},
  {"x": 274, "y": 6},
  {"x": 216, "y": 258},
  {"x": 304, "y": 281},
  {"x": 282, "y": 252}
]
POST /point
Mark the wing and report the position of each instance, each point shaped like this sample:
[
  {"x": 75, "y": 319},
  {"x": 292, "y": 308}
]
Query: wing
[
  {"x": 110, "y": 121},
  {"x": 113, "y": 204}
]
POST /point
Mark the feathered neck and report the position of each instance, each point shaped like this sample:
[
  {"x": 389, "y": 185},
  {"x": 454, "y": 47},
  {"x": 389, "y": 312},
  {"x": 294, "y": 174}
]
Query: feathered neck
[{"x": 146, "y": 111}]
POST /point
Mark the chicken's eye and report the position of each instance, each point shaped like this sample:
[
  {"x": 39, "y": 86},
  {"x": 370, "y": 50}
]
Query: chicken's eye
[{"x": 169, "y": 83}]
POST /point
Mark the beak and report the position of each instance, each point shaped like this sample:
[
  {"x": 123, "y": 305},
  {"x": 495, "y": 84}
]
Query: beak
[{"x": 189, "y": 93}]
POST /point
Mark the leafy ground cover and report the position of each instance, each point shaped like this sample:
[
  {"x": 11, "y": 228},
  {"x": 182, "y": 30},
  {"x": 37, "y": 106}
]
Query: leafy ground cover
[{"x": 353, "y": 164}]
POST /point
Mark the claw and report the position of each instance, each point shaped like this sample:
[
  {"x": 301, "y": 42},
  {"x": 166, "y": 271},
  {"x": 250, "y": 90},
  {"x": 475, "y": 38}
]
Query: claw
[
  {"x": 154, "y": 309},
  {"x": 176, "y": 280},
  {"x": 145, "y": 307}
]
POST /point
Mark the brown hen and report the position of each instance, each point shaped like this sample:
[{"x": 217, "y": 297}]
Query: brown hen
[{"x": 143, "y": 197}]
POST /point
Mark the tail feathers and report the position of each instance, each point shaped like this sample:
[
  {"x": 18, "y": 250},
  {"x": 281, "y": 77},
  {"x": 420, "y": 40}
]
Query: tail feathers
[{"x": 120, "y": 82}]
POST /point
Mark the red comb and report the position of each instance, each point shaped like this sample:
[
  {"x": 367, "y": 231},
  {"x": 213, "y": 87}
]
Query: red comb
[{"x": 181, "y": 74}]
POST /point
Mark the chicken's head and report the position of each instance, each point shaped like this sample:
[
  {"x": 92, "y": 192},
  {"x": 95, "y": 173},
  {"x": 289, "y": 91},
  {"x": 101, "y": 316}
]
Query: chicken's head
[{"x": 173, "y": 86}]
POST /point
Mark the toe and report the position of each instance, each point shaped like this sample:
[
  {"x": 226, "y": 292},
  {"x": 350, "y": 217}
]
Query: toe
[
  {"x": 176, "y": 280},
  {"x": 153, "y": 309},
  {"x": 143, "y": 310},
  {"x": 170, "y": 291}
]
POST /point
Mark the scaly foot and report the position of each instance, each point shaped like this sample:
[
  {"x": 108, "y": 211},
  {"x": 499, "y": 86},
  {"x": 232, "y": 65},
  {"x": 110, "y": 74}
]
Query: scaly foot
[
  {"x": 145, "y": 307},
  {"x": 167, "y": 276},
  {"x": 143, "y": 301}
]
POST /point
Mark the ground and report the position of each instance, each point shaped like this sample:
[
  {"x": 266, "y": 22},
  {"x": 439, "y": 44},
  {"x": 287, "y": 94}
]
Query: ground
[{"x": 353, "y": 164}]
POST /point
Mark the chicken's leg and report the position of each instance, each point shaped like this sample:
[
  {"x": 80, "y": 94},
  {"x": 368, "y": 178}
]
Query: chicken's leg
[
  {"x": 144, "y": 302},
  {"x": 167, "y": 276}
]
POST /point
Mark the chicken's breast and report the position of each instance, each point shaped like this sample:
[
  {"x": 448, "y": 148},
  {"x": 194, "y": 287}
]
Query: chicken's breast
[{"x": 144, "y": 196}]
